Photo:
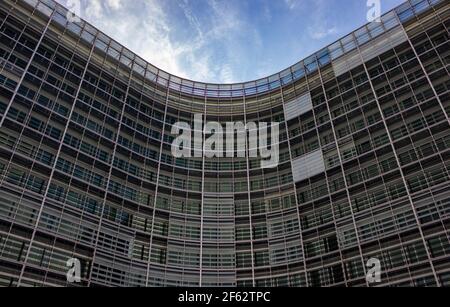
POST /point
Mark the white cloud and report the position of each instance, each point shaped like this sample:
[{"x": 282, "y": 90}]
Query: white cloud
[
  {"x": 226, "y": 74},
  {"x": 320, "y": 27},
  {"x": 142, "y": 27},
  {"x": 321, "y": 32},
  {"x": 94, "y": 8},
  {"x": 114, "y": 4},
  {"x": 317, "y": 17},
  {"x": 267, "y": 14},
  {"x": 292, "y": 4},
  {"x": 146, "y": 28},
  {"x": 192, "y": 19}
]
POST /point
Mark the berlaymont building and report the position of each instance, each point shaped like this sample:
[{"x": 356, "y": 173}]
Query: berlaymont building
[{"x": 89, "y": 183}]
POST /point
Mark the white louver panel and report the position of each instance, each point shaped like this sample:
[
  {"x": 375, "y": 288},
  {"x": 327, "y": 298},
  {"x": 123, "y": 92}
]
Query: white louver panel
[
  {"x": 308, "y": 166},
  {"x": 299, "y": 106},
  {"x": 369, "y": 50},
  {"x": 383, "y": 43},
  {"x": 346, "y": 63}
]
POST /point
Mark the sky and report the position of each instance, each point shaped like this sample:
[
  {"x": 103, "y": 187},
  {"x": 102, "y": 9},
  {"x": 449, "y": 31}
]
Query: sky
[{"x": 226, "y": 41}]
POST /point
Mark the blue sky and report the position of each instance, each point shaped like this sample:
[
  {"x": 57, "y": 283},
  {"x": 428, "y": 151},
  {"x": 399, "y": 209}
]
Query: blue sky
[{"x": 225, "y": 41}]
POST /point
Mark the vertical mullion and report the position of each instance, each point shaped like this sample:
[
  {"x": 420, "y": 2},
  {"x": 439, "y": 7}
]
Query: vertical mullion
[
  {"x": 424, "y": 71},
  {"x": 297, "y": 204},
  {"x": 53, "y": 169},
  {"x": 26, "y": 69},
  {"x": 405, "y": 183},
  {"x": 247, "y": 153},
  {"x": 203, "y": 185},
  {"x": 157, "y": 182},
  {"x": 108, "y": 181},
  {"x": 341, "y": 165}
]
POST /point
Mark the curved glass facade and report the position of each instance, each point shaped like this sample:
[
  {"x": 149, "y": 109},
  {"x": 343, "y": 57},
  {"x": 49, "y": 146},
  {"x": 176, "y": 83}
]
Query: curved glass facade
[{"x": 87, "y": 172}]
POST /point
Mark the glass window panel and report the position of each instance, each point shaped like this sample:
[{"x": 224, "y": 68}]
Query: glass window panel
[
  {"x": 44, "y": 9},
  {"x": 362, "y": 36},
  {"x": 348, "y": 43},
  {"x": 335, "y": 50}
]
